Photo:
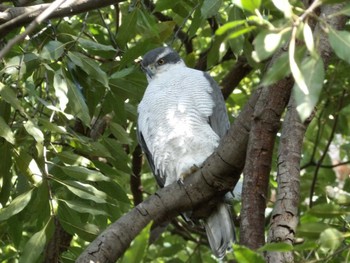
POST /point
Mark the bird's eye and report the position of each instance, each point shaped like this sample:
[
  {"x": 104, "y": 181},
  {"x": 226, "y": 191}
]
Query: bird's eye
[{"x": 161, "y": 61}]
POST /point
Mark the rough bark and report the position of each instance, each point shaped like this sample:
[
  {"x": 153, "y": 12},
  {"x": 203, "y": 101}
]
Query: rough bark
[
  {"x": 284, "y": 218},
  {"x": 265, "y": 124}
]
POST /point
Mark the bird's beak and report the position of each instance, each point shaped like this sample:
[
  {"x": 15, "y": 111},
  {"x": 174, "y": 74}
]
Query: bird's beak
[{"x": 149, "y": 70}]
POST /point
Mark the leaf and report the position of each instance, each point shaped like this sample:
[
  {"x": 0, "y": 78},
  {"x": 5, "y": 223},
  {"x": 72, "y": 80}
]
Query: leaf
[
  {"x": 120, "y": 133},
  {"x": 241, "y": 31},
  {"x": 82, "y": 173},
  {"x": 91, "y": 68},
  {"x": 34, "y": 130},
  {"x": 6, "y": 132},
  {"x": 61, "y": 89},
  {"x": 52, "y": 50},
  {"x": 284, "y": 6},
  {"x": 249, "y": 5},
  {"x": 210, "y": 8},
  {"x": 245, "y": 255},
  {"x": 165, "y": 5},
  {"x": 85, "y": 191},
  {"x": 340, "y": 42},
  {"x": 331, "y": 239},
  {"x": 16, "y": 206},
  {"x": 327, "y": 210},
  {"x": 83, "y": 208},
  {"x": 9, "y": 95},
  {"x": 37, "y": 243},
  {"x": 312, "y": 71},
  {"x": 77, "y": 103},
  {"x": 311, "y": 230},
  {"x": 224, "y": 28},
  {"x": 92, "y": 45},
  {"x": 266, "y": 44},
  {"x": 277, "y": 247},
  {"x": 309, "y": 39},
  {"x": 137, "y": 250}
]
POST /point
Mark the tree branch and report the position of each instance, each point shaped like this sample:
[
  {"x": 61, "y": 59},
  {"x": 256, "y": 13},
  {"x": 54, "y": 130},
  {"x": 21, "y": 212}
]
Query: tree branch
[{"x": 15, "y": 17}]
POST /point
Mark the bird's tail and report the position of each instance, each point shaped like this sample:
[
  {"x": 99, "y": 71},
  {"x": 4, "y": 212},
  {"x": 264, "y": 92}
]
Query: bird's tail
[{"x": 220, "y": 230}]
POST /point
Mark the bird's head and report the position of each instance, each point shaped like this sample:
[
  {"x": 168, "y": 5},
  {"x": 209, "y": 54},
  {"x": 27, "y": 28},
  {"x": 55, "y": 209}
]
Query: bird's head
[{"x": 159, "y": 60}]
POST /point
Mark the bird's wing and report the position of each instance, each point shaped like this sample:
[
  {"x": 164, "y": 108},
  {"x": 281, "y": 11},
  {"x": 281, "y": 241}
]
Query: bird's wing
[
  {"x": 218, "y": 120},
  {"x": 160, "y": 179}
]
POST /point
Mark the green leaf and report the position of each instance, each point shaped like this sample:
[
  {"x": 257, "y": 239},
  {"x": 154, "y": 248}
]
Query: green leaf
[
  {"x": 327, "y": 210},
  {"x": 311, "y": 230},
  {"x": 241, "y": 31},
  {"x": 138, "y": 248},
  {"x": 266, "y": 43},
  {"x": 228, "y": 26},
  {"x": 277, "y": 247},
  {"x": 9, "y": 95},
  {"x": 165, "y": 5},
  {"x": 249, "y": 5},
  {"x": 6, "y": 132},
  {"x": 61, "y": 89},
  {"x": 92, "y": 69},
  {"x": 92, "y": 45},
  {"x": 85, "y": 191},
  {"x": 340, "y": 42},
  {"x": 52, "y": 50},
  {"x": 331, "y": 239},
  {"x": 82, "y": 207},
  {"x": 36, "y": 243},
  {"x": 77, "y": 103},
  {"x": 210, "y": 8},
  {"x": 16, "y": 206},
  {"x": 34, "y": 130},
  {"x": 245, "y": 255},
  {"x": 6, "y": 172},
  {"x": 82, "y": 173},
  {"x": 312, "y": 71},
  {"x": 120, "y": 133}
]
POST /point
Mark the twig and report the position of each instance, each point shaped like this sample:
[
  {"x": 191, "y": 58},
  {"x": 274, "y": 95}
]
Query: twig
[{"x": 31, "y": 27}]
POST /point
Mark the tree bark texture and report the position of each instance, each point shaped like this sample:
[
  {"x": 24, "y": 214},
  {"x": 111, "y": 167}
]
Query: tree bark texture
[{"x": 284, "y": 218}]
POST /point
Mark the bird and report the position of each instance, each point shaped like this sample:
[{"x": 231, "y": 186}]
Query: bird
[{"x": 181, "y": 118}]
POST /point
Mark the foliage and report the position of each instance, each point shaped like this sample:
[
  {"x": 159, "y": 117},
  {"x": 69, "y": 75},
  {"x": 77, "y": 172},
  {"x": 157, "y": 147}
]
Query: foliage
[{"x": 68, "y": 106}]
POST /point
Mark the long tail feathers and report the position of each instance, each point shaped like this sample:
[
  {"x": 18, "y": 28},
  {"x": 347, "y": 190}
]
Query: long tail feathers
[{"x": 220, "y": 230}]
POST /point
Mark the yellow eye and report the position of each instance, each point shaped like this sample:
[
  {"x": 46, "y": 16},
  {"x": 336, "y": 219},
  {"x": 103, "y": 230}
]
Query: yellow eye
[{"x": 161, "y": 61}]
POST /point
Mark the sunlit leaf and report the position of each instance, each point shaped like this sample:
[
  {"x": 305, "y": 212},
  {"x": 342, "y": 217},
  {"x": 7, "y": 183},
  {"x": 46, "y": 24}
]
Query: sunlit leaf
[
  {"x": 312, "y": 70},
  {"x": 309, "y": 39},
  {"x": 312, "y": 229},
  {"x": 9, "y": 95},
  {"x": 6, "y": 132},
  {"x": 120, "y": 133},
  {"x": 16, "y": 206},
  {"x": 83, "y": 207},
  {"x": 249, "y": 5},
  {"x": 284, "y": 6},
  {"x": 61, "y": 89},
  {"x": 277, "y": 247},
  {"x": 228, "y": 26},
  {"x": 331, "y": 239},
  {"x": 34, "y": 131}
]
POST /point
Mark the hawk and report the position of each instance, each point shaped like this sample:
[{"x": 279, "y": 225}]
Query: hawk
[{"x": 181, "y": 118}]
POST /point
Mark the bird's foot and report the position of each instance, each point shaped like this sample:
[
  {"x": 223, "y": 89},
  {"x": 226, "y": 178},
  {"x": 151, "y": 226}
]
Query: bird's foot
[{"x": 183, "y": 175}]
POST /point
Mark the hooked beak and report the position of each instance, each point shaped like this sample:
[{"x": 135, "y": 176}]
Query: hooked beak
[{"x": 149, "y": 70}]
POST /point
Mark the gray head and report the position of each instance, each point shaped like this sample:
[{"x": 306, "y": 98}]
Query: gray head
[{"x": 159, "y": 60}]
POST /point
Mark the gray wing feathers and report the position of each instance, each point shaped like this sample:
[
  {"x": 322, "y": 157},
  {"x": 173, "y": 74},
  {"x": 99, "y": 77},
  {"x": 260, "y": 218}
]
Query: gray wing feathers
[
  {"x": 160, "y": 179},
  {"x": 219, "y": 119},
  {"x": 220, "y": 230}
]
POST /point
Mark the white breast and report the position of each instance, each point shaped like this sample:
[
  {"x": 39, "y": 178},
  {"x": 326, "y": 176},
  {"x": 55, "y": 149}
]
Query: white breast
[{"x": 173, "y": 118}]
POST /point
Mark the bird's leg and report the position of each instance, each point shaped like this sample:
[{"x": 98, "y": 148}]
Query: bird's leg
[{"x": 194, "y": 168}]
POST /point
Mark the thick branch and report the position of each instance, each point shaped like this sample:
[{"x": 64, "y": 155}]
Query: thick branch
[{"x": 18, "y": 16}]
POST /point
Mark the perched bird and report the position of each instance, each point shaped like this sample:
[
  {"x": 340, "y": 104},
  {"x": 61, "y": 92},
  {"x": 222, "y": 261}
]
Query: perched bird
[{"x": 181, "y": 118}]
